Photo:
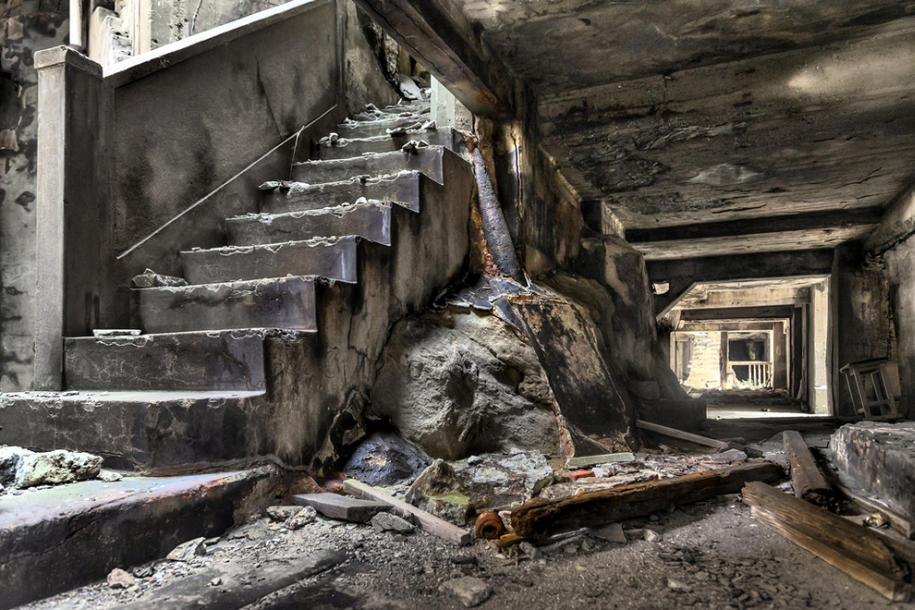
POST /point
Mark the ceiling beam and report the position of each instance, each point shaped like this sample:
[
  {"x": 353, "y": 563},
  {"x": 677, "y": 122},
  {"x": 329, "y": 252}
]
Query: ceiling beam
[
  {"x": 683, "y": 274},
  {"x": 737, "y": 313},
  {"x": 436, "y": 41},
  {"x": 774, "y": 234}
]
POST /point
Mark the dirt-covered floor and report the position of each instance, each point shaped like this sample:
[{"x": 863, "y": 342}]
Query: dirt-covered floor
[{"x": 707, "y": 555}]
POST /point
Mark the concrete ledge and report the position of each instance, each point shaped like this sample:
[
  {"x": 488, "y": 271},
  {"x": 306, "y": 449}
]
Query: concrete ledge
[
  {"x": 58, "y": 538},
  {"x": 138, "y": 429},
  {"x": 168, "y": 55},
  {"x": 879, "y": 459}
]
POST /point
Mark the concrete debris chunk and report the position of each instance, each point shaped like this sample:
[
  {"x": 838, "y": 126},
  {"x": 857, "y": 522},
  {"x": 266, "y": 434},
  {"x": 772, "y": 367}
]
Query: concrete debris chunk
[
  {"x": 21, "y": 468},
  {"x": 414, "y": 145},
  {"x": 386, "y": 458},
  {"x": 151, "y": 279},
  {"x": 330, "y": 140},
  {"x": 281, "y": 513},
  {"x": 386, "y": 522},
  {"x": 469, "y": 590},
  {"x": 120, "y": 579},
  {"x": 188, "y": 550},
  {"x": 612, "y": 532},
  {"x": 454, "y": 490},
  {"x": 344, "y": 508},
  {"x": 109, "y": 476},
  {"x": 302, "y": 518},
  {"x": 731, "y": 456}
]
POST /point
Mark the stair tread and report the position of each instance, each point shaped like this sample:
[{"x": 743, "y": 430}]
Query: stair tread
[
  {"x": 315, "y": 242},
  {"x": 339, "y": 210},
  {"x": 353, "y": 160},
  {"x": 233, "y": 283}
]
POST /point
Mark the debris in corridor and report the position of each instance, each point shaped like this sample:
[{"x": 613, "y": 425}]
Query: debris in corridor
[
  {"x": 21, "y": 468},
  {"x": 488, "y": 526},
  {"x": 809, "y": 483},
  {"x": 340, "y": 507},
  {"x": 697, "y": 439},
  {"x": 468, "y": 590},
  {"x": 538, "y": 517},
  {"x": 851, "y": 548}
]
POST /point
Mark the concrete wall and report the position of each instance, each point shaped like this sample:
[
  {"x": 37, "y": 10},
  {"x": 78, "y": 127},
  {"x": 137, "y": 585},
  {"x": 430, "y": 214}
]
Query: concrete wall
[
  {"x": 705, "y": 361},
  {"x": 900, "y": 262},
  {"x": 25, "y": 27},
  {"x": 863, "y": 327}
]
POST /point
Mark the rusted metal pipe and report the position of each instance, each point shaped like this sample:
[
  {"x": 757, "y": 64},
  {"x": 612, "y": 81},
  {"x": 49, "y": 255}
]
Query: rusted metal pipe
[{"x": 495, "y": 229}]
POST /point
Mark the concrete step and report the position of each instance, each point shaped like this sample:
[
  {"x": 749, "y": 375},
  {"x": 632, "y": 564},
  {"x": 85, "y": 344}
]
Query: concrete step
[
  {"x": 422, "y": 108},
  {"x": 52, "y": 540},
  {"x": 426, "y": 160},
  {"x": 137, "y": 430},
  {"x": 370, "y": 220},
  {"x": 286, "y": 302},
  {"x": 333, "y": 258},
  {"x": 379, "y": 127},
  {"x": 179, "y": 361},
  {"x": 402, "y": 189},
  {"x": 345, "y": 148}
]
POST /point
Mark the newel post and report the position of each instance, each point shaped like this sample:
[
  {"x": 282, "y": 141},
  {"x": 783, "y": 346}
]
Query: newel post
[{"x": 67, "y": 197}]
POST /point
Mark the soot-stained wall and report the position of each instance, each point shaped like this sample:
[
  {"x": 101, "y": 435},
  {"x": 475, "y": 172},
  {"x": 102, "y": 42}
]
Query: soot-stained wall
[
  {"x": 901, "y": 273},
  {"x": 26, "y": 26}
]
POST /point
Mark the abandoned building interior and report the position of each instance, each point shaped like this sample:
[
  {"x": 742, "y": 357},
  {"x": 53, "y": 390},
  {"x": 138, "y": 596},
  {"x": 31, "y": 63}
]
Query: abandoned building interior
[{"x": 457, "y": 303}]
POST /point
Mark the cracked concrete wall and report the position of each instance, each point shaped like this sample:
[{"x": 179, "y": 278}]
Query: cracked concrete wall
[
  {"x": 900, "y": 262},
  {"x": 26, "y": 26}
]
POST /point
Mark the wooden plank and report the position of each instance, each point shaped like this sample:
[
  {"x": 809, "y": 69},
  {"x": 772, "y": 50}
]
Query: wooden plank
[
  {"x": 539, "y": 517},
  {"x": 809, "y": 483},
  {"x": 849, "y": 547},
  {"x": 427, "y": 521},
  {"x": 591, "y": 460},
  {"x": 336, "y": 506},
  {"x": 698, "y": 439}
]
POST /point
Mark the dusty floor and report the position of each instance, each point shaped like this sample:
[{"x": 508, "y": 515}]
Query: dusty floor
[{"x": 708, "y": 555}]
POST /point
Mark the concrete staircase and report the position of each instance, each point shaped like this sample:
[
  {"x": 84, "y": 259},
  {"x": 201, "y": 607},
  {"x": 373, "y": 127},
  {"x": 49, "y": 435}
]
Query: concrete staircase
[{"x": 244, "y": 360}]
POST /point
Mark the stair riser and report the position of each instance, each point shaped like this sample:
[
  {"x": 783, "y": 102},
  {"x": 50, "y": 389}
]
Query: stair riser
[
  {"x": 285, "y": 303},
  {"x": 402, "y": 190},
  {"x": 370, "y": 222},
  {"x": 355, "y": 148},
  {"x": 228, "y": 361},
  {"x": 425, "y": 160},
  {"x": 334, "y": 260}
]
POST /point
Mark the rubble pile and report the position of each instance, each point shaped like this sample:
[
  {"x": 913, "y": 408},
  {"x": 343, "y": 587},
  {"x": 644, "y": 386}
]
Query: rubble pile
[{"x": 21, "y": 468}]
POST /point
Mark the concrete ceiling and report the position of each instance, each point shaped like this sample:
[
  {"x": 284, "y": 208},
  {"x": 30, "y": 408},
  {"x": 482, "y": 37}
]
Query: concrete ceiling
[{"x": 712, "y": 113}]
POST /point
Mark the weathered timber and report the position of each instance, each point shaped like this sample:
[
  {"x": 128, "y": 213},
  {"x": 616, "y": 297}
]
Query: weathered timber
[
  {"x": 849, "y": 547},
  {"x": 429, "y": 522},
  {"x": 539, "y": 517},
  {"x": 340, "y": 507},
  {"x": 604, "y": 458},
  {"x": 698, "y": 439},
  {"x": 809, "y": 483}
]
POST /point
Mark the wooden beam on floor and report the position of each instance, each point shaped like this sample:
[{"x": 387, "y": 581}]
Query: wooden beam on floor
[
  {"x": 849, "y": 547},
  {"x": 696, "y": 439},
  {"x": 538, "y": 517},
  {"x": 809, "y": 483}
]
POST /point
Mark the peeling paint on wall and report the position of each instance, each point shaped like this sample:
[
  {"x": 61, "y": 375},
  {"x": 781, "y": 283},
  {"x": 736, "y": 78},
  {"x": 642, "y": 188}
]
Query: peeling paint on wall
[{"x": 26, "y": 26}]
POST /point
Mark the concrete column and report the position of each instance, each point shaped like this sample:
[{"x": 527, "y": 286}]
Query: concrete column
[
  {"x": 779, "y": 356},
  {"x": 818, "y": 371},
  {"x": 66, "y": 198},
  {"x": 447, "y": 111}
]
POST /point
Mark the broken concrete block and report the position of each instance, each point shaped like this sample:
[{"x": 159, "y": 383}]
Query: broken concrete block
[
  {"x": 612, "y": 532},
  {"x": 455, "y": 490},
  {"x": 281, "y": 513},
  {"x": 386, "y": 522},
  {"x": 120, "y": 579},
  {"x": 302, "y": 518},
  {"x": 341, "y": 507},
  {"x": 151, "y": 279},
  {"x": 188, "y": 550},
  {"x": 878, "y": 458},
  {"x": 47, "y": 468},
  {"x": 109, "y": 476},
  {"x": 386, "y": 458},
  {"x": 468, "y": 590}
]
